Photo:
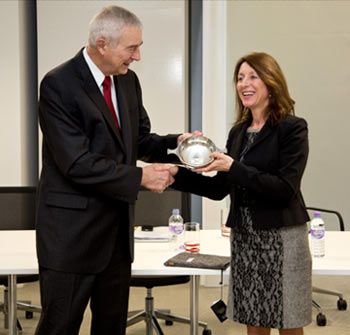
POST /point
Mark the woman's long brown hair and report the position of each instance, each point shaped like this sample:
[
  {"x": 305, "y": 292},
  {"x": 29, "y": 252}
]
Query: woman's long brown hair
[{"x": 267, "y": 68}]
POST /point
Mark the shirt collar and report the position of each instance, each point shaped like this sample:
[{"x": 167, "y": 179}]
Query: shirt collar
[{"x": 96, "y": 72}]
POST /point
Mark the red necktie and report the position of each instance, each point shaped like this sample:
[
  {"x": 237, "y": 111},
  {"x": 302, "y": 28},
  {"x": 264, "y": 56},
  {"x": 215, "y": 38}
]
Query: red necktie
[{"x": 108, "y": 97}]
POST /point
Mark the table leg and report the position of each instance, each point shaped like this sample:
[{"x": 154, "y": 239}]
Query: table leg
[
  {"x": 12, "y": 304},
  {"x": 194, "y": 286}
]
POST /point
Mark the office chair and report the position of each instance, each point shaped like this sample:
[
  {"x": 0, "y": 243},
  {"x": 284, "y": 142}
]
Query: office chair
[
  {"x": 17, "y": 212},
  {"x": 144, "y": 214},
  {"x": 321, "y": 318}
]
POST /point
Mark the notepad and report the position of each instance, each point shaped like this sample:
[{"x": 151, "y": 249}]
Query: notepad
[{"x": 158, "y": 234}]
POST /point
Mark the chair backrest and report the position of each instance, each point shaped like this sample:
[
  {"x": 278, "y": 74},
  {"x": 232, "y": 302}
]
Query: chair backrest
[
  {"x": 17, "y": 208},
  {"x": 154, "y": 209},
  {"x": 333, "y": 219}
]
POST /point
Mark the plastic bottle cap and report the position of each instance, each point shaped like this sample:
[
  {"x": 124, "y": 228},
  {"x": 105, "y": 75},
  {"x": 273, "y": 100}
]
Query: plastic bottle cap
[
  {"x": 176, "y": 211},
  {"x": 317, "y": 214}
]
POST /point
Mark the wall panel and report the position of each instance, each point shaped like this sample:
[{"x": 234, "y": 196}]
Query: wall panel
[{"x": 10, "y": 136}]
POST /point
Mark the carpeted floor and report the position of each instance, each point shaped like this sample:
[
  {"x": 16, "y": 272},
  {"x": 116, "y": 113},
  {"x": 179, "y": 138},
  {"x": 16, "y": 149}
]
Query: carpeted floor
[{"x": 177, "y": 299}]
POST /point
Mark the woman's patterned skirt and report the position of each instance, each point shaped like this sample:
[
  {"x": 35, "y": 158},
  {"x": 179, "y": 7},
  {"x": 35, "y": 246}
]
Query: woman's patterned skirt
[{"x": 270, "y": 281}]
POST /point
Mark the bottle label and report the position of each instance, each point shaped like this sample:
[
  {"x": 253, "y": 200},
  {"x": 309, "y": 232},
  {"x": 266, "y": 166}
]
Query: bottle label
[
  {"x": 176, "y": 228},
  {"x": 317, "y": 234}
]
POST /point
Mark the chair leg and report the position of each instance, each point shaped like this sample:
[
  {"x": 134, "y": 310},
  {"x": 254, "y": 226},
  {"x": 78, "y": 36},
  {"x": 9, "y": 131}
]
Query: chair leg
[
  {"x": 156, "y": 326},
  {"x": 323, "y": 291},
  {"x": 317, "y": 306},
  {"x": 28, "y": 307},
  {"x": 19, "y": 327},
  {"x": 141, "y": 316}
]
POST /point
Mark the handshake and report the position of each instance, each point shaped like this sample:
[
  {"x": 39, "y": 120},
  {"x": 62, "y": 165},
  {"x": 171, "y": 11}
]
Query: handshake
[{"x": 157, "y": 177}]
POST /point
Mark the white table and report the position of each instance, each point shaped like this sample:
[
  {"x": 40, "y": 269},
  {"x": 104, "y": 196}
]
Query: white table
[
  {"x": 337, "y": 259},
  {"x": 150, "y": 257},
  {"x": 18, "y": 256}
]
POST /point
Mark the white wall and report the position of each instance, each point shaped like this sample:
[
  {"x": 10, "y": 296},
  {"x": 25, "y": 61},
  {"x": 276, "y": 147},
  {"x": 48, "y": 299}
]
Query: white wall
[{"x": 10, "y": 136}]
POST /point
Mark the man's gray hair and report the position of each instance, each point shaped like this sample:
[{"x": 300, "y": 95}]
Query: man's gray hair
[{"x": 109, "y": 24}]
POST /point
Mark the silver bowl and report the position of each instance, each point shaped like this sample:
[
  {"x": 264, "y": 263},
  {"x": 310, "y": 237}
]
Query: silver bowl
[{"x": 194, "y": 152}]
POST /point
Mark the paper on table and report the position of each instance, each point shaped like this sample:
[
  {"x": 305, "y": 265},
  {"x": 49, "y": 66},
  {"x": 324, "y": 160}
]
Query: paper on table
[{"x": 158, "y": 234}]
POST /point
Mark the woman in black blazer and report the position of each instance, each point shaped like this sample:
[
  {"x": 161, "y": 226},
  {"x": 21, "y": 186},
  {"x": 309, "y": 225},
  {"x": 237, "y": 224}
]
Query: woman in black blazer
[{"x": 267, "y": 150}]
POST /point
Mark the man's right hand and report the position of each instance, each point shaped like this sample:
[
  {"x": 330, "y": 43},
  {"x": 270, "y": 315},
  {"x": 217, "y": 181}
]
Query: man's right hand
[{"x": 157, "y": 177}]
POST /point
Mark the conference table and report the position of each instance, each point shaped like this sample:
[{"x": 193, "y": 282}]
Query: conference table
[{"x": 18, "y": 256}]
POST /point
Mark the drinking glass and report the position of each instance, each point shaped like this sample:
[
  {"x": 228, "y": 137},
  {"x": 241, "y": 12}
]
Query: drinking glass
[{"x": 192, "y": 236}]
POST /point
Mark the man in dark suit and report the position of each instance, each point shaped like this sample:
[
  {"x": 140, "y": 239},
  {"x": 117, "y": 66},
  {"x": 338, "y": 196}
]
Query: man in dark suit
[{"x": 92, "y": 137}]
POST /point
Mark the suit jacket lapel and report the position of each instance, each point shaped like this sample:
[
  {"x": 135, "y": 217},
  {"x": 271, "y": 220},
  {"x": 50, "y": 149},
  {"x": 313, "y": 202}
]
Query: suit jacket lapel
[
  {"x": 95, "y": 95},
  {"x": 238, "y": 140},
  {"x": 125, "y": 120}
]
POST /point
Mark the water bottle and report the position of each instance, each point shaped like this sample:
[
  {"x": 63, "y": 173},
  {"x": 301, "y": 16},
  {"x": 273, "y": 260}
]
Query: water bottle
[
  {"x": 317, "y": 233},
  {"x": 176, "y": 228}
]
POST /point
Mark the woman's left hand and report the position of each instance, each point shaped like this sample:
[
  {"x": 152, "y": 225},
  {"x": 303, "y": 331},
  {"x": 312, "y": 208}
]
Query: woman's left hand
[
  {"x": 221, "y": 162},
  {"x": 184, "y": 136}
]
